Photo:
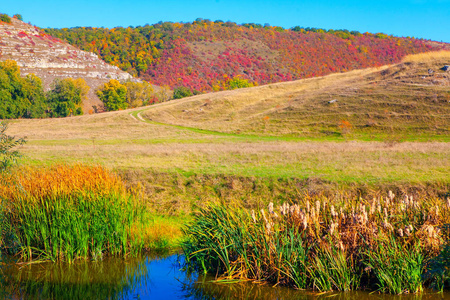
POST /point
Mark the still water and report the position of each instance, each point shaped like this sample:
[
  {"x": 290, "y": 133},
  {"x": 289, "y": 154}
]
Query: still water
[{"x": 149, "y": 277}]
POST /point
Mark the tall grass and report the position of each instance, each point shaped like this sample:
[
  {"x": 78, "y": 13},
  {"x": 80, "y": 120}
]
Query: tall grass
[
  {"x": 398, "y": 268},
  {"x": 382, "y": 244},
  {"x": 68, "y": 212}
]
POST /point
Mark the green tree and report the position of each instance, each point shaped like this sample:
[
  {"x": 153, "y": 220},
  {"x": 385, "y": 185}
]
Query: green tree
[
  {"x": 113, "y": 94},
  {"x": 66, "y": 97},
  {"x": 20, "y": 97},
  {"x": 181, "y": 92},
  {"x": 5, "y": 18},
  {"x": 18, "y": 17}
]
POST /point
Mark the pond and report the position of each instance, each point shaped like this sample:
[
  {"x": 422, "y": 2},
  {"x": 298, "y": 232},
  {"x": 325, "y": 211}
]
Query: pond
[{"x": 149, "y": 277}]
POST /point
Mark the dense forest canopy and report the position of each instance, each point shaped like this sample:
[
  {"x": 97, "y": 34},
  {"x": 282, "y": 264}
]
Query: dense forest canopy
[{"x": 204, "y": 55}]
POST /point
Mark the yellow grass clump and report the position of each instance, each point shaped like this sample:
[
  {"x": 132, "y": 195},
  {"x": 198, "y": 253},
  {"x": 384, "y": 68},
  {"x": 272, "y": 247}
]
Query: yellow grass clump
[
  {"x": 427, "y": 56},
  {"x": 58, "y": 180}
]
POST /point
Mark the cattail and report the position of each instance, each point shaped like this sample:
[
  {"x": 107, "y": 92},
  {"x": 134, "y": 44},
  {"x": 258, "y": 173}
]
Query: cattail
[
  {"x": 318, "y": 207},
  {"x": 305, "y": 221},
  {"x": 333, "y": 212},
  {"x": 307, "y": 207},
  {"x": 297, "y": 210},
  {"x": 341, "y": 246},
  {"x": 263, "y": 214},
  {"x": 391, "y": 195},
  {"x": 408, "y": 230},
  {"x": 372, "y": 209},
  {"x": 253, "y": 216},
  {"x": 333, "y": 227},
  {"x": 268, "y": 228},
  {"x": 387, "y": 226},
  {"x": 365, "y": 217}
]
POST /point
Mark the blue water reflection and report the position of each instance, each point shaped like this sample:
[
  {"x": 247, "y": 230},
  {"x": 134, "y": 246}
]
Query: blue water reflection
[{"x": 149, "y": 277}]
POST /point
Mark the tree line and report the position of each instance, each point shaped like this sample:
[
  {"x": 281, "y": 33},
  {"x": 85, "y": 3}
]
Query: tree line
[{"x": 24, "y": 97}]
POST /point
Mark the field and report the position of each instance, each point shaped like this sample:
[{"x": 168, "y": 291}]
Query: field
[
  {"x": 353, "y": 169},
  {"x": 388, "y": 125}
]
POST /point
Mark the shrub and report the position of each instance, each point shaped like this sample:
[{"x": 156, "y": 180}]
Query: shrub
[
  {"x": 181, "y": 92},
  {"x": 5, "y": 18}
]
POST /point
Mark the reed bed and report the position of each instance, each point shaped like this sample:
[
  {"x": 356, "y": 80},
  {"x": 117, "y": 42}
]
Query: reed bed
[
  {"x": 386, "y": 244},
  {"x": 67, "y": 212}
]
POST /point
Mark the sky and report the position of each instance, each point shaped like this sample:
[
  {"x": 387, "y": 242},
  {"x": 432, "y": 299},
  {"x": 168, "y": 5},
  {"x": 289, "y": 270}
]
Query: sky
[{"x": 428, "y": 19}]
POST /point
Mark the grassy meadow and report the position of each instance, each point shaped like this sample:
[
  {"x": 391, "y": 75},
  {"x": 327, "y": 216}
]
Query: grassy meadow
[{"x": 387, "y": 133}]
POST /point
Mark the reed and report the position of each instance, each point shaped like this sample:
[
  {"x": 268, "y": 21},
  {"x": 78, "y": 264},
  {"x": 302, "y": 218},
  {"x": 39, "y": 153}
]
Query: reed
[
  {"x": 322, "y": 245},
  {"x": 68, "y": 212}
]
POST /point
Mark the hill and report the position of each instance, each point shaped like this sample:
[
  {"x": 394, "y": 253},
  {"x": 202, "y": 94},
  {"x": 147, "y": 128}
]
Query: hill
[
  {"x": 402, "y": 100},
  {"x": 222, "y": 145},
  {"x": 49, "y": 58},
  {"x": 205, "y": 55}
]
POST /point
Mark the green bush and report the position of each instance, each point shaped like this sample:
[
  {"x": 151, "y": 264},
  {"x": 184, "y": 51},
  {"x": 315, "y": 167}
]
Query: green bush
[
  {"x": 182, "y": 92},
  {"x": 5, "y": 18}
]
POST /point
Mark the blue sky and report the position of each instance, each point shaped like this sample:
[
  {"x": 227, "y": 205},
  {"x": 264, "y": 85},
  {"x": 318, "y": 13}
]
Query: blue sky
[{"x": 429, "y": 19}]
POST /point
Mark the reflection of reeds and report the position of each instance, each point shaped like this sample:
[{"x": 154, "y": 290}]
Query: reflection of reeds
[
  {"x": 322, "y": 245},
  {"x": 67, "y": 212},
  {"x": 108, "y": 279}
]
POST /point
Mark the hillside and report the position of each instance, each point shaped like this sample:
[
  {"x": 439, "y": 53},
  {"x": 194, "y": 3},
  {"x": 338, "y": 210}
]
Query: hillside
[
  {"x": 402, "y": 100},
  {"x": 50, "y": 58},
  {"x": 204, "y": 55}
]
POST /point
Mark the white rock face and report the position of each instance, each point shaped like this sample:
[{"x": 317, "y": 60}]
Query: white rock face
[{"x": 50, "y": 58}]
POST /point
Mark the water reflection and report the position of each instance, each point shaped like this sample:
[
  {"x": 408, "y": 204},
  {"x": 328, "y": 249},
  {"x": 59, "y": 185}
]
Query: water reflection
[{"x": 149, "y": 277}]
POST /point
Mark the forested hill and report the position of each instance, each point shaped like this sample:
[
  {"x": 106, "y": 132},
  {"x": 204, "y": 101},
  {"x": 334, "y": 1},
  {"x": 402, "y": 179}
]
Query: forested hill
[{"x": 205, "y": 55}]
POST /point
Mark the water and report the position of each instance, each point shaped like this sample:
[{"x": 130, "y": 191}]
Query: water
[{"x": 150, "y": 277}]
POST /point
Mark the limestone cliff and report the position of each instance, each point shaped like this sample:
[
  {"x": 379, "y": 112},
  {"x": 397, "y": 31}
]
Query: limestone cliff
[{"x": 50, "y": 58}]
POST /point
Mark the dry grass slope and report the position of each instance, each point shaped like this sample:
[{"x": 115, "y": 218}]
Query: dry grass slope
[{"x": 402, "y": 100}]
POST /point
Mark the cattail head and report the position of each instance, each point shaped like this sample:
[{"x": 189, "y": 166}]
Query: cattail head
[
  {"x": 391, "y": 195},
  {"x": 253, "y": 216}
]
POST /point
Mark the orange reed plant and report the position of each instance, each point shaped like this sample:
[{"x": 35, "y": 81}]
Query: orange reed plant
[{"x": 67, "y": 212}]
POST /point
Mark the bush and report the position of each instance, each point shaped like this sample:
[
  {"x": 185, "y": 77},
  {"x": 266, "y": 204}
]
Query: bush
[
  {"x": 18, "y": 17},
  {"x": 7, "y": 144},
  {"x": 182, "y": 92},
  {"x": 5, "y": 18}
]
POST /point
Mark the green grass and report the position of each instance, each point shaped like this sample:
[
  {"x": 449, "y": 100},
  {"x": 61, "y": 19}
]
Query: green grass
[{"x": 71, "y": 227}]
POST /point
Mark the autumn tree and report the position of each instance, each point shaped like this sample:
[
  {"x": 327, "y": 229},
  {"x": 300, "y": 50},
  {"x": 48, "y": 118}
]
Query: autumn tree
[
  {"x": 138, "y": 93},
  {"x": 238, "y": 82},
  {"x": 113, "y": 94}
]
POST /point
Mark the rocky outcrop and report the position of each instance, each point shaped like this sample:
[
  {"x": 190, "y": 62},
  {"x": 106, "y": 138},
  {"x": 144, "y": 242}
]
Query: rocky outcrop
[{"x": 50, "y": 58}]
